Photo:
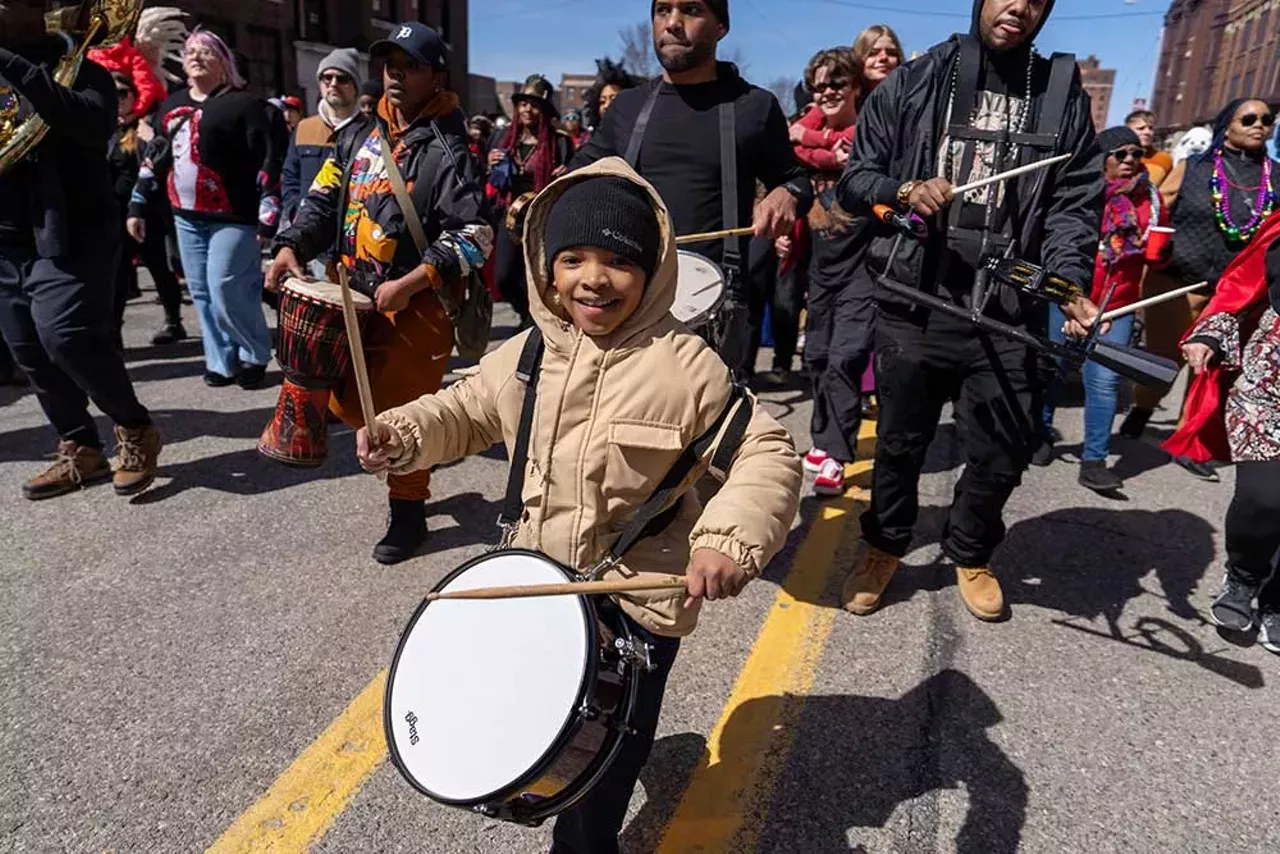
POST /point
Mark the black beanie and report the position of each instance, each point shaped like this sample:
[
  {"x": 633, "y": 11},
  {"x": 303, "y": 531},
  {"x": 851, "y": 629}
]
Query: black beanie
[
  {"x": 1117, "y": 137},
  {"x": 719, "y": 7},
  {"x": 608, "y": 212}
]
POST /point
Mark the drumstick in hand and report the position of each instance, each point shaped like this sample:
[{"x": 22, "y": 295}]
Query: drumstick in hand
[
  {"x": 354, "y": 341},
  {"x": 569, "y": 588},
  {"x": 714, "y": 235}
]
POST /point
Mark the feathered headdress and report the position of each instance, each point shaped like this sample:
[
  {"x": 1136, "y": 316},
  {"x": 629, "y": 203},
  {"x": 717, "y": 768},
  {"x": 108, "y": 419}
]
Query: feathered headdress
[{"x": 161, "y": 34}]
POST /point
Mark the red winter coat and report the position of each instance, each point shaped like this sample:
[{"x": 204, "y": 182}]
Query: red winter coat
[
  {"x": 815, "y": 150},
  {"x": 123, "y": 58}
]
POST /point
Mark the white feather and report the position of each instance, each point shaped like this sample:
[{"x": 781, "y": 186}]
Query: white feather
[{"x": 161, "y": 34}]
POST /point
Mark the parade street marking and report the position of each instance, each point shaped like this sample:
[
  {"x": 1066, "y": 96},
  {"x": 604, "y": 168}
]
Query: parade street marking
[
  {"x": 727, "y": 799},
  {"x": 304, "y": 801}
]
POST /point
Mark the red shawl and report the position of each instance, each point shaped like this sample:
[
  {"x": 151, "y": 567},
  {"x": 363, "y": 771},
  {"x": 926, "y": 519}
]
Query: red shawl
[{"x": 1243, "y": 286}]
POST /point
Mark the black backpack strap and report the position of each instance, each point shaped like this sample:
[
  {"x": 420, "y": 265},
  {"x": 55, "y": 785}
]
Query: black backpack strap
[
  {"x": 1053, "y": 107},
  {"x": 642, "y": 124},
  {"x": 729, "y": 185},
  {"x": 738, "y": 413},
  {"x": 527, "y": 373}
]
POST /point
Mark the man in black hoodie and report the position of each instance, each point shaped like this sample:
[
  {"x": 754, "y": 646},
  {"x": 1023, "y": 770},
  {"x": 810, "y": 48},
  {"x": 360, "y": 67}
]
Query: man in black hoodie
[
  {"x": 669, "y": 130},
  {"x": 971, "y": 107},
  {"x": 59, "y": 236}
]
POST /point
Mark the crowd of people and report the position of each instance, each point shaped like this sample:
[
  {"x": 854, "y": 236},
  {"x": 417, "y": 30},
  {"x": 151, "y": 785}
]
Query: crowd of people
[{"x": 844, "y": 212}]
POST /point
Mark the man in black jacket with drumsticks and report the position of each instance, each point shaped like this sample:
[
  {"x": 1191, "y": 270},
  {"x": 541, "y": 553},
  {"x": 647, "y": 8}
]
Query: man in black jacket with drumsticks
[{"x": 971, "y": 108}]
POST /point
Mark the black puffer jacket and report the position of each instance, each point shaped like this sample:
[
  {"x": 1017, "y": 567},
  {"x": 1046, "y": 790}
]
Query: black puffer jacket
[{"x": 897, "y": 140}]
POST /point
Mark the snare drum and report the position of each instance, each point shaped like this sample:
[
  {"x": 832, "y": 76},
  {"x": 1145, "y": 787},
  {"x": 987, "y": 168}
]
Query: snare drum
[
  {"x": 314, "y": 354},
  {"x": 512, "y": 708},
  {"x": 699, "y": 292}
]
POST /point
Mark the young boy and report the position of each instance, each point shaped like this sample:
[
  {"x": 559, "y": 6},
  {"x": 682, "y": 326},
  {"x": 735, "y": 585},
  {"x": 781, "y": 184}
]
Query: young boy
[{"x": 623, "y": 388}]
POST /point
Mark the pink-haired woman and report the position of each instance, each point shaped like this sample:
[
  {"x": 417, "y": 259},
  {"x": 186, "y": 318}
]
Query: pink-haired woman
[{"x": 216, "y": 156}]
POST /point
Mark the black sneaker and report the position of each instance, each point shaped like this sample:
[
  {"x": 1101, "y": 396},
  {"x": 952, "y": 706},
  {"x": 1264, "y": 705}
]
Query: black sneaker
[
  {"x": 1135, "y": 423},
  {"x": 406, "y": 532},
  {"x": 1043, "y": 454},
  {"x": 1269, "y": 631},
  {"x": 1204, "y": 471},
  {"x": 251, "y": 377},
  {"x": 1095, "y": 475},
  {"x": 213, "y": 379},
  {"x": 170, "y": 333},
  {"x": 1233, "y": 607}
]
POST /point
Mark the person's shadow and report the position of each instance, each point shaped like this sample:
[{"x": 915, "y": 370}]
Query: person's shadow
[{"x": 853, "y": 761}]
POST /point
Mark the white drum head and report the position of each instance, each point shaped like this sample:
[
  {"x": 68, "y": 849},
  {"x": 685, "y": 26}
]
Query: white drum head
[
  {"x": 699, "y": 288},
  {"x": 481, "y": 690},
  {"x": 328, "y": 293}
]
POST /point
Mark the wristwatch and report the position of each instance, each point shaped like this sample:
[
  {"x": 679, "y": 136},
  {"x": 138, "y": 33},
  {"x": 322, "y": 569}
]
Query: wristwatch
[{"x": 904, "y": 193}]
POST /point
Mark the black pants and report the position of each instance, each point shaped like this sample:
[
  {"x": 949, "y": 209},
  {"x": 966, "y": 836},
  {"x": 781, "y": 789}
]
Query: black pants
[
  {"x": 56, "y": 315},
  {"x": 593, "y": 824},
  {"x": 837, "y": 349},
  {"x": 920, "y": 365},
  {"x": 1253, "y": 530},
  {"x": 783, "y": 293},
  {"x": 509, "y": 274}
]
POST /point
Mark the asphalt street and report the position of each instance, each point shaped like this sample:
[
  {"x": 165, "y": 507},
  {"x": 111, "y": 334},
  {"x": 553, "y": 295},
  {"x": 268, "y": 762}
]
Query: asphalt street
[{"x": 165, "y": 660}]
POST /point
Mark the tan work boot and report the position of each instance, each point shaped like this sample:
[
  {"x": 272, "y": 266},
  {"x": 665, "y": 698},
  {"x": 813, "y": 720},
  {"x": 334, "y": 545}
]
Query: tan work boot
[
  {"x": 137, "y": 450},
  {"x": 981, "y": 592},
  {"x": 76, "y": 466},
  {"x": 866, "y": 584}
]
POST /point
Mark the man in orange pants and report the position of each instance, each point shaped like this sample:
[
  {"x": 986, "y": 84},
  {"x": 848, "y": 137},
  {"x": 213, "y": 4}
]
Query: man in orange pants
[{"x": 352, "y": 211}]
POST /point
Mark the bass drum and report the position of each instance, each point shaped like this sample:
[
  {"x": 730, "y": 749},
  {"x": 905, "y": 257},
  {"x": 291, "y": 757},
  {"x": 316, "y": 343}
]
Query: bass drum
[{"x": 512, "y": 708}]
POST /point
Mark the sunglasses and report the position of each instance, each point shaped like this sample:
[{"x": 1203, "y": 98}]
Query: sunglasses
[
  {"x": 1130, "y": 153},
  {"x": 835, "y": 84},
  {"x": 335, "y": 79},
  {"x": 1248, "y": 120}
]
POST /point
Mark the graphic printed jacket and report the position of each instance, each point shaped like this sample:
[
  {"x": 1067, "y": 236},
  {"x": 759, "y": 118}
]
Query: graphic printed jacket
[{"x": 352, "y": 208}]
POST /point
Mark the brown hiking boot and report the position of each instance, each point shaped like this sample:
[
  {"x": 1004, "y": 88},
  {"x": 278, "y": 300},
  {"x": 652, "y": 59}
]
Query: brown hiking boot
[
  {"x": 981, "y": 592},
  {"x": 137, "y": 450},
  {"x": 76, "y": 466},
  {"x": 866, "y": 584}
]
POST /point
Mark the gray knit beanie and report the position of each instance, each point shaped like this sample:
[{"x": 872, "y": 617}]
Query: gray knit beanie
[{"x": 344, "y": 59}]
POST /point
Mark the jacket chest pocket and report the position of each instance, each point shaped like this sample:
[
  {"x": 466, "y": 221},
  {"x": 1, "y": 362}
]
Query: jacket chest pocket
[{"x": 640, "y": 454}]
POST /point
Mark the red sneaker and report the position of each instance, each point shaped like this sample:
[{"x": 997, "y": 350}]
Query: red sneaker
[
  {"x": 830, "y": 480},
  {"x": 814, "y": 460}
]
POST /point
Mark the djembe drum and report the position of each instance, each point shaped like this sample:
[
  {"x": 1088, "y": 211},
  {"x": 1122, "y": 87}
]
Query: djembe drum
[{"x": 316, "y": 359}]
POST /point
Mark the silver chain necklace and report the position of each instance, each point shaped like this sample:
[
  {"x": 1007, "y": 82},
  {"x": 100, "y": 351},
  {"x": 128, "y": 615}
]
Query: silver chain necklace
[{"x": 1023, "y": 115}]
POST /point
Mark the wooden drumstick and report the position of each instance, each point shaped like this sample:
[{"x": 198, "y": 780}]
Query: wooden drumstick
[
  {"x": 568, "y": 588},
  {"x": 714, "y": 235},
  {"x": 1150, "y": 301},
  {"x": 358, "y": 367},
  {"x": 1012, "y": 173}
]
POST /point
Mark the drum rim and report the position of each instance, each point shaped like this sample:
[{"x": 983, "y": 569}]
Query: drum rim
[
  {"x": 708, "y": 313},
  {"x": 362, "y": 302},
  {"x": 567, "y": 730}
]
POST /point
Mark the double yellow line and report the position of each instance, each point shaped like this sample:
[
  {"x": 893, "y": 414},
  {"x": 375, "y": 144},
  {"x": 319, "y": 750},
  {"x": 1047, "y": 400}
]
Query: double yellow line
[{"x": 726, "y": 801}]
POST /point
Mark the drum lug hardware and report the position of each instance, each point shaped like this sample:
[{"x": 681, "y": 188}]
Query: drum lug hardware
[
  {"x": 601, "y": 568},
  {"x": 635, "y": 652},
  {"x": 588, "y": 712},
  {"x": 487, "y": 810}
]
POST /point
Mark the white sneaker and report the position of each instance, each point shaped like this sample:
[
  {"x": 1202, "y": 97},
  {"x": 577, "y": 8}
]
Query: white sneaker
[
  {"x": 830, "y": 480},
  {"x": 815, "y": 460}
]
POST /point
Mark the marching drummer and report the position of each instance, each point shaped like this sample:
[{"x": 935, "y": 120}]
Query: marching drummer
[
  {"x": 352, "y": 207},
  {"x": 623, "y": 389}
]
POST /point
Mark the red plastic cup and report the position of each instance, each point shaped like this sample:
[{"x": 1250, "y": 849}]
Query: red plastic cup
[{"x": 1158, "y": 242}]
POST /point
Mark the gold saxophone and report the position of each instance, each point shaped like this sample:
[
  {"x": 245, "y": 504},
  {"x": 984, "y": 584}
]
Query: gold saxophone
[{"x": 90, "y": 23}]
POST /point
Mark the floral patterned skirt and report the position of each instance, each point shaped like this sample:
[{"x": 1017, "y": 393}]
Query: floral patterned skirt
[{"x": 1253, "y": 404}]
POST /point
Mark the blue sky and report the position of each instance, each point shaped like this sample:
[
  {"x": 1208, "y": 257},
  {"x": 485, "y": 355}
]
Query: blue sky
[{"x": 511, "y": 39}]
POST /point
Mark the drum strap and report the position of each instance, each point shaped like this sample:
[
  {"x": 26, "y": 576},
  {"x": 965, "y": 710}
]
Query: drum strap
[
  {"x": 641, "y": 125},
  {"x": 729, "y": 187},
  {"x": 722, "y": 440}
]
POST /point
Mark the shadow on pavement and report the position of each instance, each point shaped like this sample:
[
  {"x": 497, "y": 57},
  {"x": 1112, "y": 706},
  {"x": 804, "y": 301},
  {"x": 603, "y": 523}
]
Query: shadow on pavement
[
  {"x": 853, "y": 762},
  {"x": 244, "y": 473}
]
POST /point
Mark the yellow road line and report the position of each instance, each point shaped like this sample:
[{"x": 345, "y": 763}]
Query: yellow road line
[
  {"x": 725, "y": 803},
  {"x": 302, "y": 804}
]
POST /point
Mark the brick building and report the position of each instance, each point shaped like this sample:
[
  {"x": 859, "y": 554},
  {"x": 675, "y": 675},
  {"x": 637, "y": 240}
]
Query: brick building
[
  {"x": 1099, "y": 82},
  {"x": 1249, "y": 63},
  {"x": 1214, "y": 51},
  {"x": 282, "y": 40},
  {"x": 572, "y": 89}
]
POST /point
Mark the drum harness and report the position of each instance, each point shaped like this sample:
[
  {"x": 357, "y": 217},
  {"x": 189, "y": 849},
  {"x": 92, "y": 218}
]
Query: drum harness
[
  {"x": 654, "y": 516},
  {"x": 730, "y": 326}
]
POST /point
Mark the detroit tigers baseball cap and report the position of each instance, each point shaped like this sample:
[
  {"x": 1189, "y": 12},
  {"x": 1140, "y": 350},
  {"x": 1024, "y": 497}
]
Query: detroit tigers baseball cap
[{"x": 419, "y": 41}]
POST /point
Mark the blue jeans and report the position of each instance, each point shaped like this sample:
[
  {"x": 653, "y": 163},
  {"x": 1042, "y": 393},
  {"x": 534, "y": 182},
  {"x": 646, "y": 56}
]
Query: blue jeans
[
  {"x": 223, "y": 265},
  {"x": 1101, "y": 386}
]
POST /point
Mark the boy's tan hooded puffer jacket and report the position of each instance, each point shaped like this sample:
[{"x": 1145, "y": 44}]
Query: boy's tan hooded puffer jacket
[{"x": 612, "y": 416}]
